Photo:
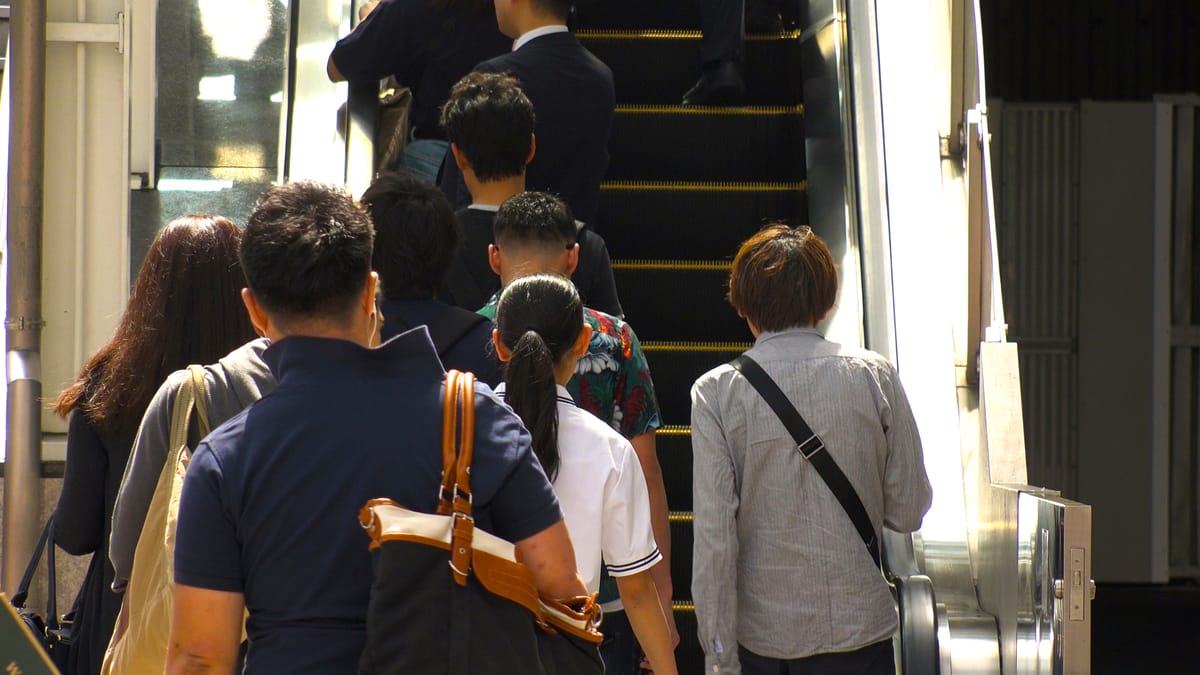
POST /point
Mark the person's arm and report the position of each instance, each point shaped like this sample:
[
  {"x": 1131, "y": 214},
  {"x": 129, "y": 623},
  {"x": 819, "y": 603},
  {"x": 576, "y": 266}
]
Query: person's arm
[
  {"x": 907, "y": 494},
  {"x": 206, "y": 631},
  {"x": 145, "y": 464},
  {"x": 715, "y": 553},
  {"x": 642, "y": 606},
  {"x": 376, "y": 48},
  {"x": 550, "y": 557},
  {"x": 647, "y": 453},
  {"x": 79, "y": 514}
]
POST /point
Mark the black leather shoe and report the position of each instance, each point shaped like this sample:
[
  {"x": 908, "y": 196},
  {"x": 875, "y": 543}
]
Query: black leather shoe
[{"x": 720, "y": 85}]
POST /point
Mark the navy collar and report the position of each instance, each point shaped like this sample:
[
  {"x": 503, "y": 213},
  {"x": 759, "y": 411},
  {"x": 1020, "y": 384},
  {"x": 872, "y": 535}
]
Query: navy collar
[{"x": 410, "y": 353}]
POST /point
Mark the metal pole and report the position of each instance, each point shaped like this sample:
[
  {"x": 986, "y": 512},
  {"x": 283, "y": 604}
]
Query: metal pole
[{"x": 23, "y": 325}]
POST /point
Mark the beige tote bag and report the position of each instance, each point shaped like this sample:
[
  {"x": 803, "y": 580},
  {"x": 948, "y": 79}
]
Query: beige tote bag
[{"x": 139, "y": 641}]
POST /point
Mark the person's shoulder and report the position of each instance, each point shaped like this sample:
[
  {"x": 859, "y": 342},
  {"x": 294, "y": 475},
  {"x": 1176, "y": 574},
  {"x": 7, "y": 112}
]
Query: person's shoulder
[
  {"x": 499, "y": 64},
  {"x": 715, "y": 379}
]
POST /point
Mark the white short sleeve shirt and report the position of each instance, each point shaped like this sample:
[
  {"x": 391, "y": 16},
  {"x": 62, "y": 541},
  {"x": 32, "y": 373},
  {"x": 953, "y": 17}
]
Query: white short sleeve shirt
[{"x": 603, "y": 496}]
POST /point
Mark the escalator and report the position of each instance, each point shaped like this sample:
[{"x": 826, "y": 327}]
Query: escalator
[{"x": 841, "y": 130}]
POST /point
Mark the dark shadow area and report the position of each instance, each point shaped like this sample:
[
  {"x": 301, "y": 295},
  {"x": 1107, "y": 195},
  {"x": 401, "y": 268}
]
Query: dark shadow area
[{"x": 1146, "y": 629}]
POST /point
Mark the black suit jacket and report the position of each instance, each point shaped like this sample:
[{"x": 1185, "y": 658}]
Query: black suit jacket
[{"x": 573, "y": 97}]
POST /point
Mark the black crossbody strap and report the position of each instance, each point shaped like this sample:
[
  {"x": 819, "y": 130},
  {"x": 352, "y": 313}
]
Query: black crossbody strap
[{"x": 812, "y": 449}]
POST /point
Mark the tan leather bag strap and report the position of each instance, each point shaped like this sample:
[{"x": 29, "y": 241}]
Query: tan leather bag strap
[
  {"x": 200, "y": 393},
  {"x": 449, "y": 447}
]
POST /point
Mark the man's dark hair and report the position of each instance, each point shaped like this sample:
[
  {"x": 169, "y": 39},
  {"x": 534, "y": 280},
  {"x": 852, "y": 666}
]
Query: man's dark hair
[
  {"x": 534, "y": 218},
  {"x": 306, "y": 251},
  {"x": 491, "y": 121},
  {"x": 415, "y": 235},
  {"x": 783, "y": 277}
]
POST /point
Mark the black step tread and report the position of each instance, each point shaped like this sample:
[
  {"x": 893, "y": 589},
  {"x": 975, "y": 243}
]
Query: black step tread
[
  {"x": 641, "y": 219},
  {"x": 743, "y": 110},
  {"x": 693, "y": 35},
  {"x": 674, "y": 447},
  {"x": 674, "y": 366},
  {"x": 673, "y": 265},
  {"x": 657, "y": 67},
  {"x": 632, "y": 14},
  {"x": 737, "y": 146},
  {"x": 688, "y": 302}
]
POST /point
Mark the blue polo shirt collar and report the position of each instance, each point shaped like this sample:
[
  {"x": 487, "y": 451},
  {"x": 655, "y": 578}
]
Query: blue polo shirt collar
[{"x": 298, "y": 355}]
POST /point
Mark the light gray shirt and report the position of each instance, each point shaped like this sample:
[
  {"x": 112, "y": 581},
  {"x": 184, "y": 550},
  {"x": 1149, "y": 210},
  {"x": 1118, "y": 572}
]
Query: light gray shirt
[
  {"x": 231, "y": 384},
  {"x": 778, "y": 566}
]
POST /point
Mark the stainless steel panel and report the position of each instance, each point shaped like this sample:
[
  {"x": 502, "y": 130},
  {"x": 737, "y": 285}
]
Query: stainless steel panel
[
  {"x": 315, "y": 146},
  {"x": 1054, "y": 577},
  {"x": 1036, "y": 159}
]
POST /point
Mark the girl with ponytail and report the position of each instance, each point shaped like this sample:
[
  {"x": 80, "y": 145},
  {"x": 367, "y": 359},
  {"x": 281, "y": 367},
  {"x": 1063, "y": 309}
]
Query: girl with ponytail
[{"x": 540, "y": 334}]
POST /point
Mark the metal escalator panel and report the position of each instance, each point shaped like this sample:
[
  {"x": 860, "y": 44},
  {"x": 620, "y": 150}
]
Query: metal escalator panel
[{"x": 313, "y": 145}]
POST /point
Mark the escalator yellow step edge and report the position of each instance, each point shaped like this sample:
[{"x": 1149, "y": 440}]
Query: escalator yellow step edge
[
  {"x": 732, "y": 347},
  {"x": 683, "y": 605},
  {"x": 660, "y": 34},
  {"x": 744, "y": 110},
  {"x": 673, "y": 265},
  {"x": 679, "y": 516},
  {"x": 673, "y": 430},
  {"x": 701, "y": 186}
]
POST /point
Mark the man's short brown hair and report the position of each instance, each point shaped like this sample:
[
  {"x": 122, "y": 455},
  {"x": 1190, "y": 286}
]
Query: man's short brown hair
[{"x": 783, "y": 277}]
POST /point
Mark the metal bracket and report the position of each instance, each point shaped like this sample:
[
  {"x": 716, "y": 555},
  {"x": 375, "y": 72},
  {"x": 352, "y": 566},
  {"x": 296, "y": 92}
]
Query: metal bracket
[
  {"x": 100, "y": 33},
  {"x": 23, "y": 323}
]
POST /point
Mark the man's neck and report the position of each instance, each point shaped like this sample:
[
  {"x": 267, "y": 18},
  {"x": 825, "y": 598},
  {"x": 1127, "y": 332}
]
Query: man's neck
[
  {"x": 494, "y": 192},
  {"x": 536, "y": 21}
]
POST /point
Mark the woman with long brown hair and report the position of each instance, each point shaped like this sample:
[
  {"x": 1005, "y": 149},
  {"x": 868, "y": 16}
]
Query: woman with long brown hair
[{"x": 185, "y": 308}]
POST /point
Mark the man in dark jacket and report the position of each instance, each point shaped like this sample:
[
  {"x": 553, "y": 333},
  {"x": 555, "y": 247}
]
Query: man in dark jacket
[
  {"x": 489, "y": 121},
  {"x": 573, "y": 94}
]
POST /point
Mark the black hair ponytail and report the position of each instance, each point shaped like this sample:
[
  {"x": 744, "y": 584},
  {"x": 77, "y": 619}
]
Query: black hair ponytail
[{"x": 538, "y": 318}]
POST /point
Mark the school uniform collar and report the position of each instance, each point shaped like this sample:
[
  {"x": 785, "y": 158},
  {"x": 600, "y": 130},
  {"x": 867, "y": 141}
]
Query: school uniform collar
[
  {"x": 564, "y": 396},
  {"x": 490, "y": 208},
  {"x": 537, "y": 33}
]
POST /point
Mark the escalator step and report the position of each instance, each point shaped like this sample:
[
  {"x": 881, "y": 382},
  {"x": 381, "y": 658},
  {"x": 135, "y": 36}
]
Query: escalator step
[
  {"x": 633, "y": 14},
  {"x": 674, "y": 447},
  {"x": 708, "y": 143},
  {"x": 657, "y": 67},
  {"x": 687, "y": 302},
  {"x": 674, "y": 366},
  {"x": 692, "y": 220},
  {"x": 689, "y": 657},
  {"x": 681, "y": 553}
]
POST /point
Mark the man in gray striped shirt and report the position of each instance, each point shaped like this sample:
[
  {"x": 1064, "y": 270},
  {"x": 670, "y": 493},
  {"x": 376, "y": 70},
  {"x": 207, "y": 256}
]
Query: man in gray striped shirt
[{"x": 781, "y": 580}]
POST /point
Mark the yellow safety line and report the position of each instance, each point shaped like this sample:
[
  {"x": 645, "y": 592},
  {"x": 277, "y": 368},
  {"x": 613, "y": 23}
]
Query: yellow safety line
[
  {"x": 654, "y": 346},
  {"x": 673, "y": 265},
  {"x": 758, "y": 110},
  {"x": 658, "y": 34},
  {"x": 679, "y": 516},
  {"x": 674, "y": 430},
  {"x": 702, "y": 186}
]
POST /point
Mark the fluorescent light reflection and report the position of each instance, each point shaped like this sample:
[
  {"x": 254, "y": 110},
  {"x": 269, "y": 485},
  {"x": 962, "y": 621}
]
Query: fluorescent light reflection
[{"x": 217, "y": 88}]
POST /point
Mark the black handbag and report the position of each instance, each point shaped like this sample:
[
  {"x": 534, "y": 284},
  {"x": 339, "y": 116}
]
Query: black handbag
[
  {"x": 56, "y": 634},
  {"x": 449, "y": 597}
]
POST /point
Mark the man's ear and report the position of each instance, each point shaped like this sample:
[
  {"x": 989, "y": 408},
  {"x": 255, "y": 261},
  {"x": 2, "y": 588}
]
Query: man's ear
[
  {"x": 583, "y": 341},
  {"x": 532, "y": 148},
  {"x": 367, "y": 300},
  {"x": 258, "y": 317},
  {"x": 494, "y": 259},
  {"x": 460, "y": 158},
  {"x": 572, "y": 259},
  {"x": 503, "y": 352}
]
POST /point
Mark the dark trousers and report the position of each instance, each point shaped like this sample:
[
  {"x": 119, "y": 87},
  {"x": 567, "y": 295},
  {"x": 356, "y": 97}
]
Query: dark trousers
[
  {"x": 722, "y": 23},
  {"x": 620, "y": 650},
  {"x": 876, "y": 659}
]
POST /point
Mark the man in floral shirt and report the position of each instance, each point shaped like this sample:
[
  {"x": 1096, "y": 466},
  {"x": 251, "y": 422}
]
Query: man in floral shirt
[{"x": 535, "y": 234}]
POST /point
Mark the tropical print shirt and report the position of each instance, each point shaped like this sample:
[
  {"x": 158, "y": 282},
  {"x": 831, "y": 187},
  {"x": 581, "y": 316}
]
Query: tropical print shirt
[{"x": 612, "y": 381}]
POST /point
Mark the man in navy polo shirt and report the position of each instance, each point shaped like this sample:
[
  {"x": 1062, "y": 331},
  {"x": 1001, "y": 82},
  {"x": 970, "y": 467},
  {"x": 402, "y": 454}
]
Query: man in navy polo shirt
[{"x": 268, "y": 517}]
